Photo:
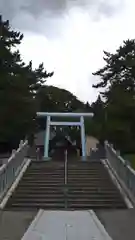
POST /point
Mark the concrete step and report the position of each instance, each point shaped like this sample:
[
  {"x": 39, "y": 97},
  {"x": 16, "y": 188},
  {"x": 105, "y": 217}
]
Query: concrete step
[
  {"x": 94, "y": 206},
  {"x": 45, "y": 171},
  {"x": 97, "y": 183},
  {"x": 43, "y": 180},
  {"x": 40, "y": 195},
  {"x": 43, "y": 184},
  {"x": 42, "y": 175},
  {"x": 70, "y": 196},
  {"x": 39, "y": 190},
  {"x": 25, "y": 206},
  {"x": 49, "y": 194},
  {"x": 60, "y": 187},
  {"x": 86, "y": 169},
  {"x": 87, "y": 179},
  {"x": 61, "y": 181},
  {"x": 72, "y": 206},
  {"x": 36, "y": 200},
  {"x": 88, "y": 173},
  {"x": 46, "y": 181}
]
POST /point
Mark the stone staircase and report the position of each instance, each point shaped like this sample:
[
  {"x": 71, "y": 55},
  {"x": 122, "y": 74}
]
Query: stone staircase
[
  {"x": 41, "y": 187},
  {"x": 89, "y": 186}
]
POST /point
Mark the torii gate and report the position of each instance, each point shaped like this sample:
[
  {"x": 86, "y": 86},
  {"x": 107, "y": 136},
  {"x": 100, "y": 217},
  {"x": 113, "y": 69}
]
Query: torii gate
[{"x": 57, "y": 123}]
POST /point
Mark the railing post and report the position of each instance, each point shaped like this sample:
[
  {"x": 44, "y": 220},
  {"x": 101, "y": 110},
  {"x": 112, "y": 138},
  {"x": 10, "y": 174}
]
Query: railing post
[
  {"x": 65, "y": 168},
  {"x": 21, "y": 143},
  {"x": 66, "y": 181},
  {"x": 13, "y": 152},
  {"x": 38, "y": 153}
]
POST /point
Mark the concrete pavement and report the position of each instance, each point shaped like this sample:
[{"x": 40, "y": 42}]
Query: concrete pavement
[
  {"x": 14, "y": 224},
  {"x": 120, "y": 224},
  {"x": 69, "y": 225}
]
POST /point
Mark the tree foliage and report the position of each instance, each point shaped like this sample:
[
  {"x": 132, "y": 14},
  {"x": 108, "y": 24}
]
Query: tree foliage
[
  {"x": 53, "y": 99},
  {"x": 19, "y": 84},
  {"x": 117, "y": 79}
]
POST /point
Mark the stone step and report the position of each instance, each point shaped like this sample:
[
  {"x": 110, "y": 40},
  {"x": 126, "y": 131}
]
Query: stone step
[
  {"x": 86, "y": 182},
  {"x": 44, "y": 171},
  {"x": 89, "y": 186},
  {"x": 71, "y": 206},
  {"x": 36, "y": 200},
  {"x": 75, "y": 175},
  {"x": 46, "y": 181},
  {"x": 39, "y": 174},
  {"x": 61, "y": 195},
  {"x": 61, "y": 180},
  {"x": 43, "y": 184},
  {"x": 38, "y": 190},
  {"x": 61, "y": 187},
  {"x": 40, "y": 195},
  {"x": 48, "y": 191},
  {"x": 35, "y": 205},
  {"x": 94, "y": 206},
  {"x": 88, "y": 178},
  {"x": 43, "y": 177}
]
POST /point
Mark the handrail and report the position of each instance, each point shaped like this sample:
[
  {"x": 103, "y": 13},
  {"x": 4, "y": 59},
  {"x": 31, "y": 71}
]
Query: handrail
[
  {"x": 10, "y": 170},
  {"x": 122, "y": 168},
  {"x": 65, "y": 174}
]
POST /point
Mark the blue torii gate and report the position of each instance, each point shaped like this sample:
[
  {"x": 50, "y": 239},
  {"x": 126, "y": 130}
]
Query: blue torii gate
[{"x": 57, "y": 123}]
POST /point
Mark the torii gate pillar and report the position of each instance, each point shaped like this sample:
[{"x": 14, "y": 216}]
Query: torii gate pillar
[
  {"x": 83, "y": 138},
  {"x": 47, "y": 137}
]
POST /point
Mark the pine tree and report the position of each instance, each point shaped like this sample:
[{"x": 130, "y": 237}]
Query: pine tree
[
  {"x": 19, "y": 84},
  {"x": 118, "y": 82}
]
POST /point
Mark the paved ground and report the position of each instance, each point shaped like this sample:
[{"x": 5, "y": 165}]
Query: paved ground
[
  {"x": 120, "y": 224},
  {"x": 70, "y": 225},
  {"x": 14, "y": 224}
]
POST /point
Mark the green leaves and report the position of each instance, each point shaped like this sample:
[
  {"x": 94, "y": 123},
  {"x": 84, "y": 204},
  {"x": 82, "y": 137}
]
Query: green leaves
[
  {"x": 19, "y": 84},
  {"x": 118, "y": 80}
]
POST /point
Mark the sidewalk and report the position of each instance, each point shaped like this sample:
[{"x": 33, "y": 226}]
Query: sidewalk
[{"x": 120, "y": 224}]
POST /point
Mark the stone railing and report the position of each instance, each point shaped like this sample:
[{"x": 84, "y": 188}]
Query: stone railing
[
  {"x": 10, "y": 170},
  {"x": 123, "y": 170}
]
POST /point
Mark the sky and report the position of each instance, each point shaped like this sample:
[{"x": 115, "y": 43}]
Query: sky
[{"x": 69, "y": 37}]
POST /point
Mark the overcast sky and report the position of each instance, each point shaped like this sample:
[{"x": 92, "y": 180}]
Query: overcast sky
[{"x": 69, "y": 36}]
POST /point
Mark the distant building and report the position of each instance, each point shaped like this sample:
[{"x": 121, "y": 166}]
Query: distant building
[
  {"x": 58, "y": 143},
  {"x": 40, "y": 138}
]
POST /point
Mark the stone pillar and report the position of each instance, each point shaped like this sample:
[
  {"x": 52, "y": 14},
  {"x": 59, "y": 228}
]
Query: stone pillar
[
  {"x": 83, "y": 140},
  {"x": 47, "y": 138}
]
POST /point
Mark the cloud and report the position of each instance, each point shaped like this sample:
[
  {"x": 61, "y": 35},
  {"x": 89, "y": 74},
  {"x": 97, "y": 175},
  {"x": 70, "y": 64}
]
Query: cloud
[
  {"x": 50, "y": 8},
  {"x": 69, "y": 37},
  {"x": 47, "y": 17}
]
